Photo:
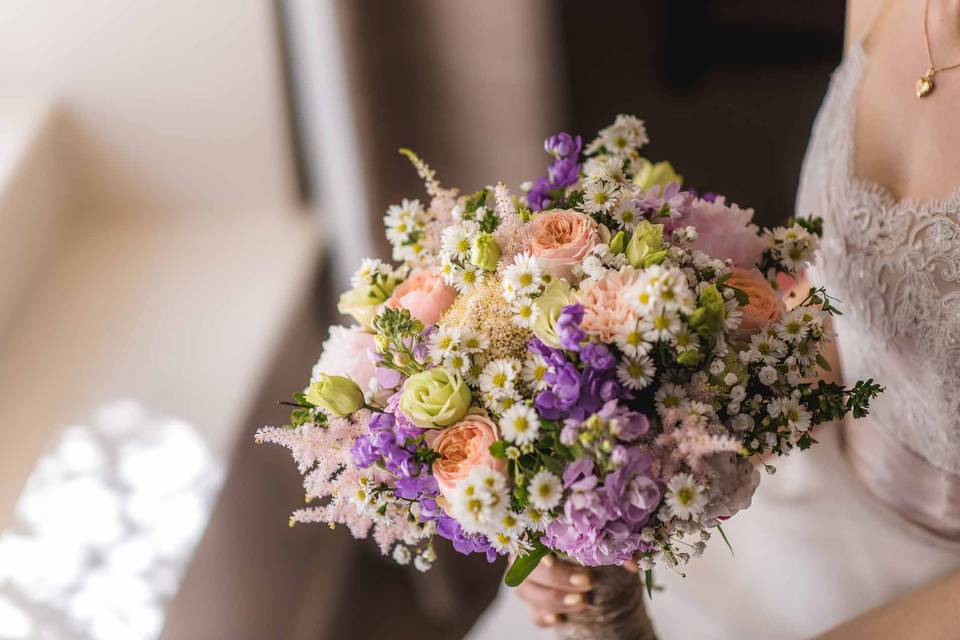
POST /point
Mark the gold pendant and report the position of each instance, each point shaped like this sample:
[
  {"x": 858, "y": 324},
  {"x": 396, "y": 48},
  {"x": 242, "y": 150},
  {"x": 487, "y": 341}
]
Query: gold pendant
[{"x": 925, "y": 84}]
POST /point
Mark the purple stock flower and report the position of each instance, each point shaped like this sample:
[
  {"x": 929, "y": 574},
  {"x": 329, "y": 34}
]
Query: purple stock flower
[
  {"x": 463, "y": 542},
  {"x": 563, "y": 173},
  {"x": 568, "y": 327},
  {"x": 597, "y": 356},
  {"x": 413, "y": 487},
  {"x": 631, "y": 491},
  {"x": 539, "y": 195},
  {"x": 563, "y": 145}
]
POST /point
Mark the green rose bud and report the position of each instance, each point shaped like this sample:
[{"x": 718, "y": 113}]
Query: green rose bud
[
  {"x": 337, "y": 394},
  {"x": 435, "y": 398},
  {"x": 618, "y": 243},
  {"x": 646, "y": 245},
  {"x": 660, "y": 174},
  {"x": 485, "y": 252},
  {"x": 553, "y": 299}
]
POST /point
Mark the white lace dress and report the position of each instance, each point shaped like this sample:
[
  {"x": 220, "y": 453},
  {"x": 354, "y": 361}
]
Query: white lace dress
[{"x": 826, "y": 537}]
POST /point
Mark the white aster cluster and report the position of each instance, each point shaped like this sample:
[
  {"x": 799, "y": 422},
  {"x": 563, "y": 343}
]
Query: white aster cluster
[
  {"x": 481, "y": 504},
  {"x": 456, "y": 348},
  {"x": 793, "y": 246},
  {"x": 523, "y": 280},
  {"x": 406, "y": 225}
]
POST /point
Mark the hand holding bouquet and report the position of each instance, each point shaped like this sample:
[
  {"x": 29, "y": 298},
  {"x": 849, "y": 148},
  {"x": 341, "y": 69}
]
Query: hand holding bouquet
[{"x": 593, "y": 368}]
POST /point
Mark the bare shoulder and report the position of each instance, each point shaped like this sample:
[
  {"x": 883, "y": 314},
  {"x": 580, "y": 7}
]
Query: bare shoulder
[{"x": 860, "y": 15}]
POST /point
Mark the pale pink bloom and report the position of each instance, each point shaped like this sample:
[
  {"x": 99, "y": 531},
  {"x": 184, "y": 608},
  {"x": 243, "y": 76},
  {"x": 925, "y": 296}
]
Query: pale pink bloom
[
  {"x": 462, "y": 447},
  {"x": 424, "y": 294},
  {"x": 606, "y": 312},
  {"x": 725, "y": 231},
  {"x": 560, "y": 239},
  {"x": 347, "y": 352}
]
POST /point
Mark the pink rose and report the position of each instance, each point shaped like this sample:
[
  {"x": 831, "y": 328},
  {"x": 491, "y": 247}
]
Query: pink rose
[
  {"x": 561, "y": 239},
  {"x": 347, "y": 352},
  {"x": 462, "y": 447},
  {"x": 726, "y": 232},
  {"x": 605, "y": 312},
  {"x": 424, "y": 294},
  {"x": 765, "y": 305}
]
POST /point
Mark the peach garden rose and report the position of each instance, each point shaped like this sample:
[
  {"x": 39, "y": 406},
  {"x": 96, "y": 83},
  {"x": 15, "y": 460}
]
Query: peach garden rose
[
  {"x": 462, "y": 447},
  {"x": 765, "y": 307},
  {"x": 424, "y": 294},
  {"x": 560, "y": 239}
]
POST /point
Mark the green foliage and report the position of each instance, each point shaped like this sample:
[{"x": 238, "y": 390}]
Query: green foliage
[
  {"x": 812, "y": 225},
  {"x": 523, "y": 566}
]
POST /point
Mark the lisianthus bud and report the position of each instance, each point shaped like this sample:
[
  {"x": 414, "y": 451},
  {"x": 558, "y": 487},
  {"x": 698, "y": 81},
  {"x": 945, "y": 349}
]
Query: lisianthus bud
[
  {"x": 549, "y": 305},
  {"x": 646, "y": 245},
  {"x": 336, "y": 394},
  {"x": 362, "y": 303},
  {"x": 618, "y": 243},
  {"x": 435, "y": 398},
  {"x": 660, "y": 174},
  {"x": 485, "y": 252}
]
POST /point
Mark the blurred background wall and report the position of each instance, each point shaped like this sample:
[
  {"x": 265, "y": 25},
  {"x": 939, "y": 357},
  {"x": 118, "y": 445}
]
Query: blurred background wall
[{"x": 184, "y": 188}]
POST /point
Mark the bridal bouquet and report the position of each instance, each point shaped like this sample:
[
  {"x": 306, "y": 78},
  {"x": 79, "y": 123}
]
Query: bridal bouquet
[{"x": 595, "y": 366}]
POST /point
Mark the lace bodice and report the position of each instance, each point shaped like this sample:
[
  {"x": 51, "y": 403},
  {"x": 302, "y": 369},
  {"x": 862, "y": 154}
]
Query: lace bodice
[{"x": 895, "y": 267}]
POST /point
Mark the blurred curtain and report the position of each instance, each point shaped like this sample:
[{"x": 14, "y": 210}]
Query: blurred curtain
[{"x": 473, "y": 87}]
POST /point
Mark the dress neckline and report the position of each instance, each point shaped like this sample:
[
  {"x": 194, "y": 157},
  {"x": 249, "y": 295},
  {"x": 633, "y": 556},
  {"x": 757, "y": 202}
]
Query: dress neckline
[{"x": 855, "y": 63}]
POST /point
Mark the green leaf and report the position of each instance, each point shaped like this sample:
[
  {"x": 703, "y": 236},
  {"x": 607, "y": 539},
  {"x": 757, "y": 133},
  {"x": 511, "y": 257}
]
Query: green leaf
[
  {"x": 523, "y": 566},
  {"x": 724, "y": 536},
  {"x": 823, "y": 363},
  {"x": 554, "y": 465},
  {"x": 499, "y": 449},
  {"x": 648, "y": 581}
]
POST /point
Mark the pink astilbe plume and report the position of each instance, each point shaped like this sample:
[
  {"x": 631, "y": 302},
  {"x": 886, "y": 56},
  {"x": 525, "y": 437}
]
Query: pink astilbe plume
[
  {"x": 509, "y": 234},
  {"x": 442, "y": 200},
  {"x": 689, "y": 446}
]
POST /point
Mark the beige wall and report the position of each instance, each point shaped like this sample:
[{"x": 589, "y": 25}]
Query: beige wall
[{"x": 170, "y": 104}]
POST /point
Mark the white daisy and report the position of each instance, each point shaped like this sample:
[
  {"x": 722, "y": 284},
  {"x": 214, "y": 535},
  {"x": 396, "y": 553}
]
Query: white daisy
[
  {"x": 792, "y": 329},
  {"x": 669, "y": 396},
  {"x": 685, "y": 497},
  {"x": 636, "y": 373},
  {"x": 523, "y": 277},
  {"x": 511, "y": 523},
  {"x": 455, "y": 241},
  {"x": 797, "y": 415},
  {"x": 473, "y": 341},
  {"x": 537, "y": 520},
  {"x": 457, "y": 361},
  {"x": 600, "y": 197},
  {"x": 632, "y": 341},
  {"x": 534, "y": 370},
  {"x": 525, "y": 312},
  {"x": 467, "y": 277},
  {"x": 662, "y": 326},
  {"x": 479, "y": 500},
  {"x": 545, "y": 490},
  {"x": 685, "y": 340},
  {"x": 443, "y": 341},
  {"x": 498, "y": 377},
  {"x": 520, "y": 424},
  {"x": 505, "y": 543}
]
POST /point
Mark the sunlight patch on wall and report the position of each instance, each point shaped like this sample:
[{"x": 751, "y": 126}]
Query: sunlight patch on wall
[{"x": 105, "y": 527}]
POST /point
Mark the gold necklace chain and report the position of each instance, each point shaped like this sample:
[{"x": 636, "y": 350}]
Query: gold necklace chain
[{"x": 925, "y": 84}]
